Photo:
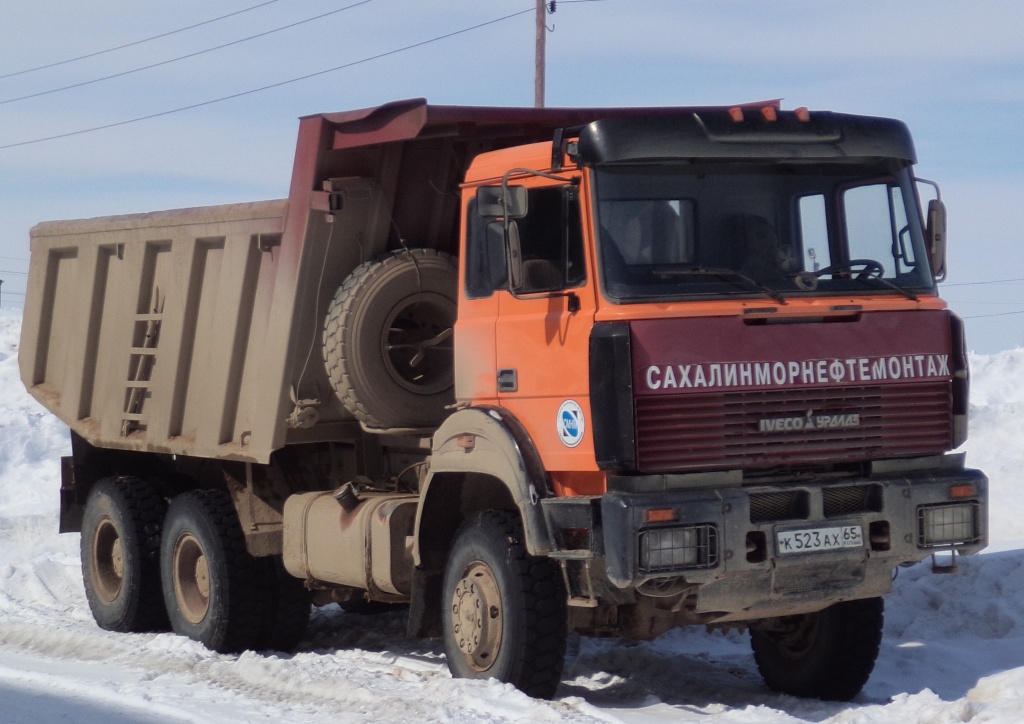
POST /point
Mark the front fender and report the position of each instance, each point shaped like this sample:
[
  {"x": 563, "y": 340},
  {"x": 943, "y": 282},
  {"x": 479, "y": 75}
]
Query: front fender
[{"x": 488, "y": 441}]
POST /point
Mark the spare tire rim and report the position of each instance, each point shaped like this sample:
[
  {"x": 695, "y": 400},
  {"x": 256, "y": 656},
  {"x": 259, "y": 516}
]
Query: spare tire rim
[
  {"x": 417, "y": 343},
  {"x": 107, "y": 561},
  {"x": 476, "y": 616},
  {"x": 191, "y": 579}
]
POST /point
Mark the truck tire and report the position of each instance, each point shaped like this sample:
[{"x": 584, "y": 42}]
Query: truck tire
[
  {"x": 503, "y": 610},
  {"x": 120, "y": 550},
  {"x": 387, "y": 342},
  {"x": 286, "y": 616},
  {"x": 215, "y": 592},
  {"x": 824, "y": 655}
]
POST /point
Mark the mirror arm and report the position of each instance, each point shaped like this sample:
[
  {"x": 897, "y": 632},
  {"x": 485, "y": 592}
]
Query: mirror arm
[{"x": 574, "y": 304}]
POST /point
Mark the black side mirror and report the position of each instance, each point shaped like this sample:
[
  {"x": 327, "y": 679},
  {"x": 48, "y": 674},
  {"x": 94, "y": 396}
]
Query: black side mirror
[
  {"x": 493, "y": 202},
  {"x": 935, "y": 233}
]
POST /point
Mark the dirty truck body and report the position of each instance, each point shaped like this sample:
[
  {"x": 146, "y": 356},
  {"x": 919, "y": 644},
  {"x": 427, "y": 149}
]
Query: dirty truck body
[{"x": 528, "y": 371}]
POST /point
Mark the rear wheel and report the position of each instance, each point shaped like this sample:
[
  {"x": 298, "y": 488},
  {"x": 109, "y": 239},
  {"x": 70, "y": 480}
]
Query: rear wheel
[
  {"x": 120, "y": 550},
  {"x": 504, "y": 611},
  {"x": 212, "y": 587},
  {"x": 825, "y": 655}
]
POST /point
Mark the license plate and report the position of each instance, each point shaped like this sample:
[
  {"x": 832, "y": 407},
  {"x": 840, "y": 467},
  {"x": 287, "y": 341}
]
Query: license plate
[{"x": 820, "y": 539}]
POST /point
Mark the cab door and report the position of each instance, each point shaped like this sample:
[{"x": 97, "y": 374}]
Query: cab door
[{"x": 542, "y": 332}]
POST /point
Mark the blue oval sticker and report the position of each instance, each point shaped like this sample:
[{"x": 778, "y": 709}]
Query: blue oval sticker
[{"x": 570, "y": 424}]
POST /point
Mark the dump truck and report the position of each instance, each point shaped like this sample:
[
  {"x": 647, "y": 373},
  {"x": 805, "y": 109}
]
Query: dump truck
[{"x": 528, "y": 373}]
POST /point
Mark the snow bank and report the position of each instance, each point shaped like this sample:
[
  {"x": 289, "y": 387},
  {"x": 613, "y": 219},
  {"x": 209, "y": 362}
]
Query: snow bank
[{"x": 953, "y": 648}]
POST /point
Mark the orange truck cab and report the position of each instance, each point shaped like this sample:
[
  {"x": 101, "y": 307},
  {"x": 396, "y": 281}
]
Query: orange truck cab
[{"x": 722, "y": 335}]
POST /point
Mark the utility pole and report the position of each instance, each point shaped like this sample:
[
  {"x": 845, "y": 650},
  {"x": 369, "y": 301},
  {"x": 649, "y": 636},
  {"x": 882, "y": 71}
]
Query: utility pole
[{"x": 539, "y": 60}]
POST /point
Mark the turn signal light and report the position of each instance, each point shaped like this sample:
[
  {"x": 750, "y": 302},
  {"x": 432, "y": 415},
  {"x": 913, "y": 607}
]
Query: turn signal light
[
  {"x": 965, "y": 490},
  {"x": 661, "y": 515}
]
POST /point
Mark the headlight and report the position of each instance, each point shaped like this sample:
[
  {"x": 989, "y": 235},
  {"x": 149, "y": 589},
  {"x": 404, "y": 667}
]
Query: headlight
[
  {"x": 667, "y": 549},
  {"x": 947, "y": 524}
]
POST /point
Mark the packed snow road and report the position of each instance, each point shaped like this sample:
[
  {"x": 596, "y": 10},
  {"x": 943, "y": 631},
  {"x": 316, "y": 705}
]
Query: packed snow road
[{"x": 953, "y": 648}]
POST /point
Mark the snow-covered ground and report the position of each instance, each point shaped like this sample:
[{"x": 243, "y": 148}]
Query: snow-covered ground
[{"x": 953, "y": 648}]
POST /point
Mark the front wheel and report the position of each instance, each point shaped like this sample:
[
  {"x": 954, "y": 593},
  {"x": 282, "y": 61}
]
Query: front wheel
[
  {"x": 504, "y": 611},
  {"x": 824, "y": 655}
]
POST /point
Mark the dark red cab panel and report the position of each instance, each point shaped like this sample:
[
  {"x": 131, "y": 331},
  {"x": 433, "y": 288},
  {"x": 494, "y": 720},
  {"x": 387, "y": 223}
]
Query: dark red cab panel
[{"x": 716, "y": 393}]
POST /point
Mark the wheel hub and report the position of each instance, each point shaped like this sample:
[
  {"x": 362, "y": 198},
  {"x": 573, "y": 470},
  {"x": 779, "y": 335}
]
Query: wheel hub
[
  {"x": 191, "y": 579},
  {"x": 476, "y": 616},
  {"x": 417, "y": 346},
  {"x": 795, "y": 635},
  {"x": 107, "y": 561}
]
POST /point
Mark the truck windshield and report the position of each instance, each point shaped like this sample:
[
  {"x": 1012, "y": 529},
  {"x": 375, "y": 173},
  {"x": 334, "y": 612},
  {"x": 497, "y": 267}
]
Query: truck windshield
[{"x": 674, "y": 231}]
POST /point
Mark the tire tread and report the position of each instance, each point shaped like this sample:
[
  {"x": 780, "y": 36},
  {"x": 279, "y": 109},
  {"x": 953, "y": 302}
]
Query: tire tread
[
  {"x": 236, "y": 622},
  {"x": 339, "y": 361},
  {"x": 144, "y": 507},
  {"x": 840, "y": 667},
  {"x": 537, "y": 670}
]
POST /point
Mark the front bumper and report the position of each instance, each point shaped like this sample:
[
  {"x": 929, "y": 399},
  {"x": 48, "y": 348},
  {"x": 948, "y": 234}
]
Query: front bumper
[{"x": 724, "y": 542}]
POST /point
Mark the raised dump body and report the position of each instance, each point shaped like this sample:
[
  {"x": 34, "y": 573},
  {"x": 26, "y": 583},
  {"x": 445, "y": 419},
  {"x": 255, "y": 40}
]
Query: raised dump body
[{"x": 198, "y": 331}]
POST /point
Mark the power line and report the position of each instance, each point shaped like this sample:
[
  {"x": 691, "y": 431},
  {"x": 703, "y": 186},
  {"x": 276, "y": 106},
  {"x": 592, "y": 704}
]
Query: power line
[
  {"x": 268, "y": 87},
  {"x": 994, "y": 314},
  {"x": 182, "y": 57},
  {"x": 8, "y": 271},
  {"x": 136, "y": 42},
  {"x": 993, "y": 281}
]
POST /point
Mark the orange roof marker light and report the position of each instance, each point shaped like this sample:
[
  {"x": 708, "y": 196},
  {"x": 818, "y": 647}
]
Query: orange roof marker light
[
  {"x": 769, "y": 114},
  {"x": 802, "y": 114},
  {"x": 736, "y": 113}
]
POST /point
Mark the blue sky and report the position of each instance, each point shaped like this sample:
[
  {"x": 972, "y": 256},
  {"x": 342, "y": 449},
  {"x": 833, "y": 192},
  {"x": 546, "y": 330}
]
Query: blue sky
[{"x": 954, "y": 71}]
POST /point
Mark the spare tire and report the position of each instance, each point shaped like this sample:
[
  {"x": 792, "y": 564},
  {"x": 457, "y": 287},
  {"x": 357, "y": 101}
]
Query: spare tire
[{"x": 388, "y": 339}]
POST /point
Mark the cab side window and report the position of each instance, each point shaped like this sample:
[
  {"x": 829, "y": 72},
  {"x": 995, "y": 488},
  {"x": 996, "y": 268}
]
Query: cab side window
[{"x": 550, "y": 240}]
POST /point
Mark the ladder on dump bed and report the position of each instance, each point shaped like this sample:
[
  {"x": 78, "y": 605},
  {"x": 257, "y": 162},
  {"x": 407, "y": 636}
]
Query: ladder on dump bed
[{"x": 140, "y": 366}]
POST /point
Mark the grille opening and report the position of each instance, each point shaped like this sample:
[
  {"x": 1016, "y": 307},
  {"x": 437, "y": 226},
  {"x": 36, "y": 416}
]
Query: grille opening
[
  {"x": 878, "y": 535},
  {"x": 757, "y": 547},
  {"x": 814, "y": 471},
  {"x": 780, "y": 505},
  {"x": 850, "y": 499}
]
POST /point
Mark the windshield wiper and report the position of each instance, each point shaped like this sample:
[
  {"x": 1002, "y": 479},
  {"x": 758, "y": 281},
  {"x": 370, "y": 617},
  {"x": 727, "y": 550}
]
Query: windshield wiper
[
  {"x": 896, "y": 287},
  {"x": 872, "y": 272},
  {"x": 722, "y": 273}
]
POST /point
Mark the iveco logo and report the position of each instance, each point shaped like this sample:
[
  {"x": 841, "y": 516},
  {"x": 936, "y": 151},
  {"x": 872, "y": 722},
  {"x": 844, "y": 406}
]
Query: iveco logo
[{"x": 810, "y": 421}]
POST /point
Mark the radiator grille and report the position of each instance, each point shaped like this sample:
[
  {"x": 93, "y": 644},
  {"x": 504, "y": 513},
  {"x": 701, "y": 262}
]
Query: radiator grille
[{"x": 724, "y": 429}]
